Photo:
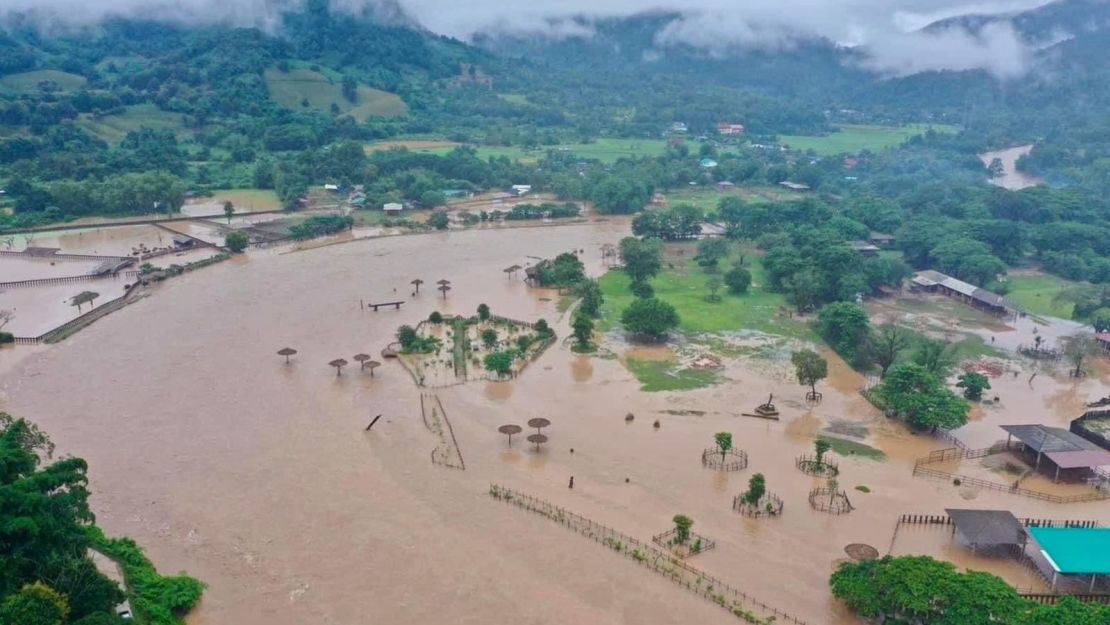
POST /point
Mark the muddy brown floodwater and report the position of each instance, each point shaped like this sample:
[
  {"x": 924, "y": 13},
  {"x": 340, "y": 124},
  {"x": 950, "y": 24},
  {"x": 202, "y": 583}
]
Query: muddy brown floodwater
[{"x": 258, "y": 478}]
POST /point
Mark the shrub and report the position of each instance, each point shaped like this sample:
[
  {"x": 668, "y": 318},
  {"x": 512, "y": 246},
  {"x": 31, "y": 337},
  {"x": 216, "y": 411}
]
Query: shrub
[
  {"x": 236, "y": 241},
  {"x": 435, "y": 317},
  {"x": 738, "y": 280},
  {"x": 6, "y": 337}
]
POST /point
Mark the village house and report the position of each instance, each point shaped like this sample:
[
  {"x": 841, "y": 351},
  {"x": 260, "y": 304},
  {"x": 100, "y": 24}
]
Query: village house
[
  {"x": 863, "y": 248},
  {"x": 658, "y": 199},
  {"x": 678, "y": 127},
  {"x": 935, "y": 282},
  {"x": 393, "y": 208},
  {"x": 725, "y": 185},
  {"x": 708, "y": 163},
  {"x": 880, "y": 239},
  {"x": 521, "y": 190},
  {"x": 1103, "y": 339},
  {"x": 729, "y": 129}
]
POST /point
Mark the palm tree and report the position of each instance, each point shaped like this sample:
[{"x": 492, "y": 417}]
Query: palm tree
[
  {"x": 338, "y": 363},
  {"x": 287, "y": 352}
]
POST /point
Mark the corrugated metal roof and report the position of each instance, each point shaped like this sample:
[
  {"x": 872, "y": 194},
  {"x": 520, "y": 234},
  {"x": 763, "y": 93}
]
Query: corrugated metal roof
[
  {"x": 1042, "y": 438},
  {"x": 988, "y": 527},
  {"x": 1079, "y": 459}
]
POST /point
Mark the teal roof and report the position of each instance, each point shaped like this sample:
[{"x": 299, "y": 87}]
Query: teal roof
[{"x": 1075, "y": 550}]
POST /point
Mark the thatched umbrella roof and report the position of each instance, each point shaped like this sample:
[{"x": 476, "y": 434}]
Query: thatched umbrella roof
[
  {"x": 287, "y": 352},
  {"x": 338, "y": 362},
  {"x": 416, "y": 281},
  {"x": 443, "y": 281},
  {"x": 509, "y": 429},
  {"x": 372, "y": 364},
  {"x": 538, "y": 439},
  {"x": 860, "y": 551},
  {"x": 538, "y": 423},
  {"x": 361, "y": 358}
]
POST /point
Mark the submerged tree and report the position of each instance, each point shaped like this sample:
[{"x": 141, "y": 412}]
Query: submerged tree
[
  {"x": 1077, "y": 349},
  {"x": 724, "y": 443},
  {"x": 682, "y": 525},
  {"x": 483, "y": 312},
  {"x": 757, "y": 487},
  {"x": 500, "y": 363},
  {"x": 489, "y": 338},
  {"x": 583, "y": 328},
  {"x": 887, "y": 343},
  {"x": 229, "y": 210},
  {"x": 821, "y": 447},
  {"x": 973, "y": 384},
  {"x": 935, "y": 356},
  {"x": 810, "y": 368}
]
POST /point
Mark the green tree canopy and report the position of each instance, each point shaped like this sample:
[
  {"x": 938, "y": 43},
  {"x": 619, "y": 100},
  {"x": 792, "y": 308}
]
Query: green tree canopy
[
  {"x": 921, "y": 398},
  {"x": 738, "y": 280},
  {"x": 845, "y": 326},
  {"x": 642, "y": 258},
  {"x": 810, "y": 368},
  {"x": 650, "y": 317}
]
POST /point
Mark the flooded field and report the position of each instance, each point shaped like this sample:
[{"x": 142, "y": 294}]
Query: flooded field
[
  {"x": 14, "y": 268},
  {"x": 104, "y": 240},
  {"x": 40, "y": 309},
  {"x": 1011, "y": 177},
  {"x": 259, "y": 478}
]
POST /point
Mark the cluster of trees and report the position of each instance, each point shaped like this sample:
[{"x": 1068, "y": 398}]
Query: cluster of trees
[
  {"x": 565, "y": 270},
  {"x": 925, "y": 591},
  {"x": 47, "y": 530},
  {"x": 682, "y": 221},
  {"x": 921, "y": 397},
  {"x": 321, "y": 225},
  {"x": 520, "y": 212}
]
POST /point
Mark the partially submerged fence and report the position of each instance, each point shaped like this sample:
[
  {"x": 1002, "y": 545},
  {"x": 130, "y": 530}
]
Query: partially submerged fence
[
  {"x": 944, "y": 519},
  {"x": 695, "y": 543},
  {"x": 731, "y": 460},
  {"x": 446, "y": 452},
  {"x": 739, "y": 603},
  {"x": 956, "y": 453}
]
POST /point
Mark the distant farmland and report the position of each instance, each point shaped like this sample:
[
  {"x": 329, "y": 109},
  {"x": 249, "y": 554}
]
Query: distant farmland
[
  {"x": 291, "y": 89},
  {"x": 113, "y": 128},
  {"x": 28, "y": 82},
  {"x": 604, "y": 150},
  {"x": 854, "y": 138}
]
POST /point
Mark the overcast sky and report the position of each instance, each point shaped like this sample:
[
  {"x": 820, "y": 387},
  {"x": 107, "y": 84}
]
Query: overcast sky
[{"x": 886, "y": 30}]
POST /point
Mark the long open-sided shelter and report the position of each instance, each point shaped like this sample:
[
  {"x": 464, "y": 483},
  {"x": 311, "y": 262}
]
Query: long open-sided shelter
[
  {"x": 1077, "y": 551},
  {"x": 988, "y": 528},
  {"x": 1062, "y": 448}
]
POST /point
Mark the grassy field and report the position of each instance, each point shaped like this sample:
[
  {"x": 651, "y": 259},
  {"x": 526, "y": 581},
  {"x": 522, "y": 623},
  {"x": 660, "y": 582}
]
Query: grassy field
[
  {"x": 846, "y": 448},
  {"x": 290, "y": 90},
  {"x": 853, "y": 138},
  {"x": 706, "y": 198},
  {"x": 1036, "y": 294},
  {"x": 657, "y": 375},
  {"x": 683, "y": 286},
  {"x": 28, "y": 82},
  {"x": 604, "y": 150},
  {"x": 113, "y": 128},
  {"x": 255, "y": 199}
]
